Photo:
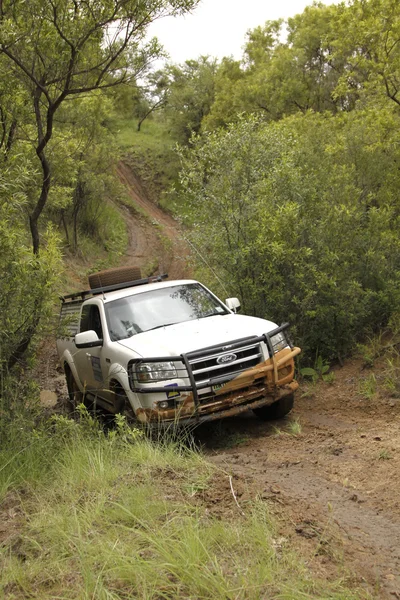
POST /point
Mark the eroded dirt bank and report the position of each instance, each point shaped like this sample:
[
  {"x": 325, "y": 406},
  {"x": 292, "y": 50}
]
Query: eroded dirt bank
[{"x": 333, "y": 480}]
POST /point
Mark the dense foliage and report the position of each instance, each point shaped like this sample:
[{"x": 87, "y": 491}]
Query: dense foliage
[
  {"x": 27, "y": 282},
  {"x": 60, "y": 50},
  {"x": 60, "y": 62},
  {"x": 290, "y": 181},
  {"x": 301, "y": 218}
]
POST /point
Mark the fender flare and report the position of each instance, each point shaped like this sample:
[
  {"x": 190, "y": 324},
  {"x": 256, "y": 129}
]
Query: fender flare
[{"x": 67, "y": 359}]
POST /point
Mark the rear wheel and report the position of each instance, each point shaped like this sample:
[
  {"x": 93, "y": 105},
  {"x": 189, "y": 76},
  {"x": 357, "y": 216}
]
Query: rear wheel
[{"x": 277, "y": 410}]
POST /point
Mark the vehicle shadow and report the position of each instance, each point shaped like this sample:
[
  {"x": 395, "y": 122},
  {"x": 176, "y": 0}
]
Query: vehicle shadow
[{"x": 232, "y": 432}]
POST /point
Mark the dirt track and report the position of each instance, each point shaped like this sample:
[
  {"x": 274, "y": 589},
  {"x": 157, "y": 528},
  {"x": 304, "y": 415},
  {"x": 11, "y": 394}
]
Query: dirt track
[
  {"x": 335, "y": 484},
  {"x": 155, "y": 241}
]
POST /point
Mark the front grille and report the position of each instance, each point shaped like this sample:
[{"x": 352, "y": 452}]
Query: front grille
[{"x": 207, "y": 369}]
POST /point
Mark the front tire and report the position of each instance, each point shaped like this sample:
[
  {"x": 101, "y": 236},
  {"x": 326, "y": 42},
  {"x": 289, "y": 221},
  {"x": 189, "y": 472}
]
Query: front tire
[
  {"x": 121, "y": 403},
  {"x": 277, "y": 410}
]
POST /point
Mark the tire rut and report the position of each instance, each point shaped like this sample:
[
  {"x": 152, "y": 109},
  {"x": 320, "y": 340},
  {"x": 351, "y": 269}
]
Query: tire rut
[{"x": 156, "y": 243}]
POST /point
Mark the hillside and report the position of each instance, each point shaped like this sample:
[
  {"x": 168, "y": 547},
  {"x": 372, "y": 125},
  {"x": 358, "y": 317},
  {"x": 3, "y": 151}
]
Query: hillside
[{"x": 273, "y": 178}]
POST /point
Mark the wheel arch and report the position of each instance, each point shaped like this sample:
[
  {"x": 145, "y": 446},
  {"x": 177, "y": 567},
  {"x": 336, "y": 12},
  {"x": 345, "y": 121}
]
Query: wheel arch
[{"x": 68, "y": 365}]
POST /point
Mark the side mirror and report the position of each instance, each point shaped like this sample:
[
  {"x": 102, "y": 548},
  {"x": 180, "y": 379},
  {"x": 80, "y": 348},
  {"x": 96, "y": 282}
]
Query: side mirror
[
  {"x": 233, "y": 304},
  {"x": 87, "y": 339}
]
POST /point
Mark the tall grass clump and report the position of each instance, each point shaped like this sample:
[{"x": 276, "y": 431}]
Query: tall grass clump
[{"x": 94, "y": 515}]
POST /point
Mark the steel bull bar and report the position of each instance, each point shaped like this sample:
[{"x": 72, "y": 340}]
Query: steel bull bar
[{"x": 194, "y": 387}]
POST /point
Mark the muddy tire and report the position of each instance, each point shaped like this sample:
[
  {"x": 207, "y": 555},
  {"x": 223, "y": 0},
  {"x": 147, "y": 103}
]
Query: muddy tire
[
  {"x": 277, "y": 410},
  {"x": 114, "y": 276},
  {"x": 121, "y": 403}
]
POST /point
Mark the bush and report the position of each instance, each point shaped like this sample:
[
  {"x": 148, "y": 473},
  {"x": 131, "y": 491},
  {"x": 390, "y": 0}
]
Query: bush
[{"x": 27, "y": 282}]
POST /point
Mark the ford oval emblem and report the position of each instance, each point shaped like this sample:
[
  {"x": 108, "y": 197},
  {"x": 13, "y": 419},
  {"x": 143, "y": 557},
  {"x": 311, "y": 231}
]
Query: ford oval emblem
[{"x": 225, "y": 359}]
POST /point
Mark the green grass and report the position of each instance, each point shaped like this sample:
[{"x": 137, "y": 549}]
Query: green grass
[
  {"x": 91, "y": 515},
  {"x": 153, "y": 135},
  {"x": 294, "y": 427},
  {"x": 384, "y": 455},
  {"x": 114, "y": 516},
  {"x": 368, "y": 387},
  {"x": 97, "y": 250}
]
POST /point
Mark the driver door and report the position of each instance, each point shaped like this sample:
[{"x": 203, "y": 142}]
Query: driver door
[{"x": 88, "y": 361}]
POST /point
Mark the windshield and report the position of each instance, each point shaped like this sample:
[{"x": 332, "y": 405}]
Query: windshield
[{"x": 158, "y": 308}]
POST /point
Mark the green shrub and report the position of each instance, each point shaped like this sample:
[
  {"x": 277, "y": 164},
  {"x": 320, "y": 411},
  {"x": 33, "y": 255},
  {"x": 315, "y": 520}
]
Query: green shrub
[
  {"x": 27, "y": 281},
  {"x": 292, "y": 217}
]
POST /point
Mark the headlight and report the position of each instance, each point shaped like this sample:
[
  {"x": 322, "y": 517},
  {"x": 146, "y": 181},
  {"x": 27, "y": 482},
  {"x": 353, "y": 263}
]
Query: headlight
[
  {"x": 279, "y": 342},
  {"x": 160, "y": 371}
]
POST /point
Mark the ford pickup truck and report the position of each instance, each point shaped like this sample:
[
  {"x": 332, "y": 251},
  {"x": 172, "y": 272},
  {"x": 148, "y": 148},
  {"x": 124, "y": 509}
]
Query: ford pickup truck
[{"x": 171, "y": 351}]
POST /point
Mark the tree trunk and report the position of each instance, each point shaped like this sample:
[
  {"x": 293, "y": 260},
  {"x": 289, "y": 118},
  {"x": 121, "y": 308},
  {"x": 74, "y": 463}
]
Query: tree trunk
[
  {"x": 79, "y": 196},
  {"x": 64, "y": 223},
  {"x": 152, "y": 109},
  {"x": 24, "y": 343},
  {"x": 43, "y": 140},
  {"x": 44, "y": 194}
]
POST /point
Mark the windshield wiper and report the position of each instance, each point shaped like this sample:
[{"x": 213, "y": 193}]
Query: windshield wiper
[{"x": 164, "y": 325}]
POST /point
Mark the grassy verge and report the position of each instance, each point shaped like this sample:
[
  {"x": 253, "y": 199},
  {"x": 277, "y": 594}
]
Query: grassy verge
[{"x": 93, "y": 516}]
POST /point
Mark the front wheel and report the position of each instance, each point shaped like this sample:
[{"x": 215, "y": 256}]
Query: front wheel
[
  {"x": 277, "y": 410},
  {"x": 121, "y": 404}
]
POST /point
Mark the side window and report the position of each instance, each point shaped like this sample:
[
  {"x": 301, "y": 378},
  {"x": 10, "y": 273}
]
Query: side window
[
  {"x": 96, "y": 321},
  {"x": 85, "y": 319},
  {"x": 90, "y": 319}
]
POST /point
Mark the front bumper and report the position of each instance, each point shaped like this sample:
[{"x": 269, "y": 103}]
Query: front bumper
[{"x": 222, "y": 396}]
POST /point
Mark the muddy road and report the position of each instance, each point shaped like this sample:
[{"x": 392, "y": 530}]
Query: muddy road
[{"x": 329, "y": 471}]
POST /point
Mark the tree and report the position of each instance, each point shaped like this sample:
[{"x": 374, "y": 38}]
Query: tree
[
  {"x": 230, "y": 95},
  {"x": 368, "y": 42},
  {"x": 156, "y": 93},
  {"x": 59, "y": 49},
  {"x": 280, "y": 78},
  {"x": 27, "y": 281},
  {"x": 190, "y": 95}
]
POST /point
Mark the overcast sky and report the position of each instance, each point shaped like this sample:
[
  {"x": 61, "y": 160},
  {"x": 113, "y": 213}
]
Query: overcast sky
[{"x": 218, "y": 27}]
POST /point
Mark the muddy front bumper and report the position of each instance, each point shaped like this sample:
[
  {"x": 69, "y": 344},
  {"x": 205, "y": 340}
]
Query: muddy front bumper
[{"x": 208, "y": 388}]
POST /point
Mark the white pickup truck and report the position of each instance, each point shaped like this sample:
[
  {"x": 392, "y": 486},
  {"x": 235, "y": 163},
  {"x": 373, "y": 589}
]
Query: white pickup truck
[{"x": 173, "y": 352}]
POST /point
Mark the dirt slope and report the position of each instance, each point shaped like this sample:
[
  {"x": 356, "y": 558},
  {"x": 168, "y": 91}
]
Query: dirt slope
[
  {"x": 155, "y": 240},
  {"x": 155, "y": 244}
]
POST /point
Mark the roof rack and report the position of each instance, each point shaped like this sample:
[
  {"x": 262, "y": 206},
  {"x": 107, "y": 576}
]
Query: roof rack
[{"x": 112, "y": 288}]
